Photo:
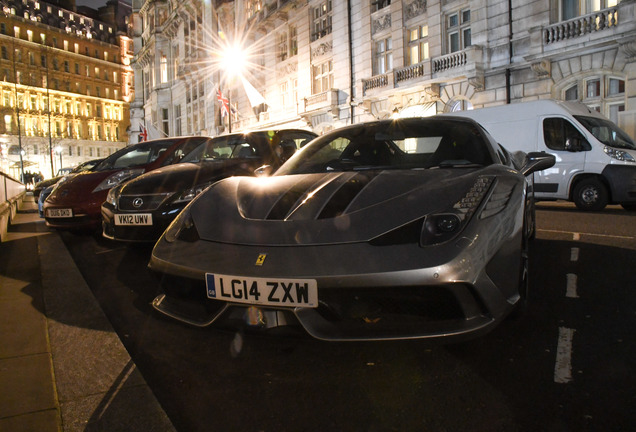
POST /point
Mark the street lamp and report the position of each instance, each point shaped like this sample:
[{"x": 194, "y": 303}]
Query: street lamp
[{"x": 232, "y": 61}]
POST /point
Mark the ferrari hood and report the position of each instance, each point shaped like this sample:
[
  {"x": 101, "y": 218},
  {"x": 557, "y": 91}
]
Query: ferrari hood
[
  {"x": 321, "y": 209},
  {"x": 178, "y": 177}
]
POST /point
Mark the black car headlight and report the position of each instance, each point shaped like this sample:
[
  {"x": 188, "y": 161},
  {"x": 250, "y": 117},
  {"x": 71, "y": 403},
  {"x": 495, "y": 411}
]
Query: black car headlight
[
  {"x": 182, "y": 228},
  {"x": 189, "y": 194},
  {"x": 113, "y": 196},
  {"x": 441, "y": 227}
]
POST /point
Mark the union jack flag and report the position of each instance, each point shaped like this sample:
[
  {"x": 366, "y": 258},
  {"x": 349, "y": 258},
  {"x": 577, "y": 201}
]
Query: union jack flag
[
  {"x": 143, "y": 134},
  {"x": 224, "y": 102}
]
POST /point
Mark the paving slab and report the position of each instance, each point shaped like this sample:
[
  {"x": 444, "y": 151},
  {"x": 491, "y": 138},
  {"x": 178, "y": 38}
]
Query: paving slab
[{"x": 62, "y": 366}]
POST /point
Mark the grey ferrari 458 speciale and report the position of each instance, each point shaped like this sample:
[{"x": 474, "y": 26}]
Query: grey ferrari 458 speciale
[{"x": 394, "y": 229}]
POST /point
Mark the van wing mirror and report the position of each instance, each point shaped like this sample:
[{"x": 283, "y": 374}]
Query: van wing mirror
[{"x": 537, "y": 161}]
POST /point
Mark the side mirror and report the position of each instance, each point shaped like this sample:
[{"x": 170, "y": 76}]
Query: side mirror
[
  {"x": 537, "y": 161},
  {"x": 264, "y": 171}
]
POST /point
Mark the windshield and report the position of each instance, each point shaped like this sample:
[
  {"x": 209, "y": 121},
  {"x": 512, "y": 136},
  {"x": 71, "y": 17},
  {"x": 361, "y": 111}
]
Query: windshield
[
  {"x": 607, "y": 132},
  {"x": 252, "y": 145},
  {"x": 400, "y": 144},
  {"x": 228, "y": 147},
  {"x": 135, "y": 155},
  {"x": 86, "y": 166}
]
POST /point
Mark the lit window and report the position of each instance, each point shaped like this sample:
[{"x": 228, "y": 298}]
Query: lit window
[
  {"x": 164, "y": 69},
  {"x": 573, "y": 8},
  {"x": 418, "y": 45},
  {"x": 322, "y": 75}
]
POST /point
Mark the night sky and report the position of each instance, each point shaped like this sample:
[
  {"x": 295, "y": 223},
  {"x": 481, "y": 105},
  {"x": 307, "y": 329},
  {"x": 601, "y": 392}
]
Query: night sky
[{"x": 95, "y": 4}]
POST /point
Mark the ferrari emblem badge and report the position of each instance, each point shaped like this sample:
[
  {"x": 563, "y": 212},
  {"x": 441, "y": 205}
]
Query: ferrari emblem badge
[{"x": 261, "y": 259}]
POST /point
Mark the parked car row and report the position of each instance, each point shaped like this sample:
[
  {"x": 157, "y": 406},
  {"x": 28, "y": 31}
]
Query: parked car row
[
  {"x": 141, "y": 209},
  {"x": 75, "y": 204},
  {"x": 40, "y": 186},
  {"x": 394, "y": 229},
  {"x": 412, "y": 228}
]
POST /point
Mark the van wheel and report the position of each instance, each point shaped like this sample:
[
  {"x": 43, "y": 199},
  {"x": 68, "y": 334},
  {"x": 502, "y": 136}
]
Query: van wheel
[{"x": 590, "y": 194}]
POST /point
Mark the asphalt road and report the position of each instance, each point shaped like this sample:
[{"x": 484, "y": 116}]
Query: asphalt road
[{"x": 569, "y": 364}]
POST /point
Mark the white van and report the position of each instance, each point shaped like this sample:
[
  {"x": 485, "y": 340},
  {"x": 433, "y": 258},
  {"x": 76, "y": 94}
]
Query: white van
[{"x": 595, "y": 159}]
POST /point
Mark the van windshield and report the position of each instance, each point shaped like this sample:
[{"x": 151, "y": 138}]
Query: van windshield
[{"x": 607, "y": 132}]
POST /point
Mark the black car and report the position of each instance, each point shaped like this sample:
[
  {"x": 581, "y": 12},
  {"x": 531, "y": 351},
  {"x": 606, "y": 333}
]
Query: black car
[{"x": 141, "y": 209}]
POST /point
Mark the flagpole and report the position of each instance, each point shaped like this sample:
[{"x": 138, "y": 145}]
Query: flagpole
[{"x": 229, "y": 111}]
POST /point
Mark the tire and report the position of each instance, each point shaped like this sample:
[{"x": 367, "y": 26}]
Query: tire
[
  {"x": 629, "y": 207},
  {"x": 590, "y": 195}
]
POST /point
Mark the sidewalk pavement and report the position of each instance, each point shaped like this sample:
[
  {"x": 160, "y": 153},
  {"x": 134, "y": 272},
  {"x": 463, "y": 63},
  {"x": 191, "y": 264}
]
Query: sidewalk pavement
[{"x": 62, "y": 366}]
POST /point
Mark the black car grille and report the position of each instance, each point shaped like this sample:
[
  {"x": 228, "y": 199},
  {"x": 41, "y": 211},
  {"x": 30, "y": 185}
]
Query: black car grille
[
  {"x": 423, "y": 304},
  {"x": 141, "y": 202}
]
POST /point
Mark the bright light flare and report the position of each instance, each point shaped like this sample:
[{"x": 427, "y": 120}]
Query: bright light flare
[
  {"x": 233, "y": 54},
  {"x": 233, "y": 60}
]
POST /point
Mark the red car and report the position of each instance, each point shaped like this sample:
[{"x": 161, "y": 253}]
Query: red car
[{"x": 75, "y": 204}]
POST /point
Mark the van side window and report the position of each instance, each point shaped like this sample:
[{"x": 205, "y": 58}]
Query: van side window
[{"x": 556, "y": 132}]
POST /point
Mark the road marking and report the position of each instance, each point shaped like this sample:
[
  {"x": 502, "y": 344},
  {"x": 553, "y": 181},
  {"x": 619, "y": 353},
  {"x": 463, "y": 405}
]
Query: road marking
[
  {"x": 574, "y": 254},
  {"x": 577, "y": 236},
  {"x": 570, "y": 290},
  {"x": 563, "y": 365}
]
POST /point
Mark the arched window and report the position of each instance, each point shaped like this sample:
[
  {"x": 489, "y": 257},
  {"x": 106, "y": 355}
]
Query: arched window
[{"x": 459, "y": 105}]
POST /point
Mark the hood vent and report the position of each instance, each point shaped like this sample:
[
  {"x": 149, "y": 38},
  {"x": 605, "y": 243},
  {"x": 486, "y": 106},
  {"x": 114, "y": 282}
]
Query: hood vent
[
  {"x": 344, "y": 196},
  {"x": 286, "y": 203},
  {"x": 334, "y": 203}
]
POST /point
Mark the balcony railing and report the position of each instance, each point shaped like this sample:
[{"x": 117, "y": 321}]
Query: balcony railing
[
  {"x": 450, "y": 61},
  {"x": 582, "y": 25},
  {"x": 410, "y": 72},
  {"x": 375, "y": 82},
  {"x": 324, "y": 100}
]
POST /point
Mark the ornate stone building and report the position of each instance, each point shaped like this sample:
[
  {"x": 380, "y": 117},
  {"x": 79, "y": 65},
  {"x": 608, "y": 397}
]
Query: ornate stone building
[
  {"x": 322, "y": 64},
  {"x": 65, "y": 84}
]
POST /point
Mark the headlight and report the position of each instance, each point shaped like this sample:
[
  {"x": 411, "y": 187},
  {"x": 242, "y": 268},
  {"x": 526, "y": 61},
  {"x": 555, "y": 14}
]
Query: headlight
[
  {"x": 182, "y": 228},
  {"x": 117, "y": 178},
  {"x": 113, "y": 196},
  {"x": 618, "y": 154},
  {"x": 441, "y": 227},
  {"x": 188, "y": 195}
]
